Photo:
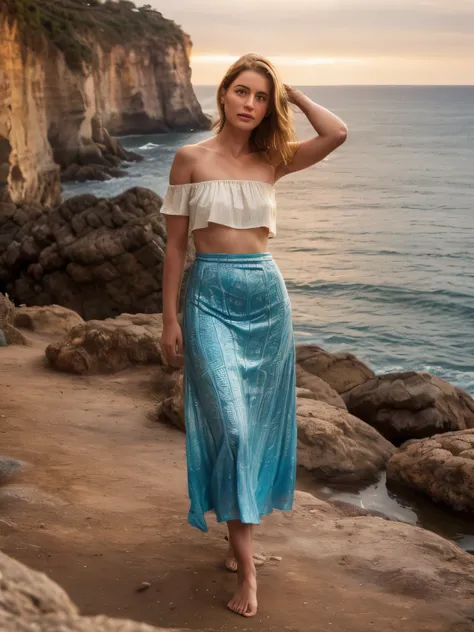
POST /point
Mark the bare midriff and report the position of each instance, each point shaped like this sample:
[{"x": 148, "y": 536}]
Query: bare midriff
[{"x": 219, "y": 238}]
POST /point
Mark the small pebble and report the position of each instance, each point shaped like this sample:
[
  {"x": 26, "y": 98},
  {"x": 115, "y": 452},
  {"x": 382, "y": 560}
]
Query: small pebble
[
  {"x": 143, "y": 586},
  {"x": 277, "y": 558}
]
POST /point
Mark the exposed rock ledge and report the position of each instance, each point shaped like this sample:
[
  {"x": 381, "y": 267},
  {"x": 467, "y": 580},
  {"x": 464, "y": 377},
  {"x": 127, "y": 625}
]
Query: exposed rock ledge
[{"x": 99, "y": 257}]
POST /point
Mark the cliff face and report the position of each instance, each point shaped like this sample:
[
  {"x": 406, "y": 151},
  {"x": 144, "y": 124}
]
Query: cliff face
[
  {"x": 51, "y": 109},
  {"x": 143, "y": 88},
  {"x": 27, "y": 167}
]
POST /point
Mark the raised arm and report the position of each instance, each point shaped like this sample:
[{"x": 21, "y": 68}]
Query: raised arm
[
  {"x": 331, "y": 132},
  {"x": 175, "y": 257}
]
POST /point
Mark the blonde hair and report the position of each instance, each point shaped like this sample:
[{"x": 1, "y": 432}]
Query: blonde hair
[{"x": 275, "y": 135}]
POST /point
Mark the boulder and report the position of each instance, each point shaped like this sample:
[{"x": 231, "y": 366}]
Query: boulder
[
  {"x": 442, "y": 467},
  {"x": 411, "y": 405},
  {"x": 342, "y": 371},
  {"x": 8, "y": 333},
  {"x": 31, "y": 602},
  {"x": 318, "y": 387},
  {"x": 338, "y": 447},
  {"x": 53, "y": 319},
  {"x": 108, "y": 346},
  {"x": 98, "y": 257}
]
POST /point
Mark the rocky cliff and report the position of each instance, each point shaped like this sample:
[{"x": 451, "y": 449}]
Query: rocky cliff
[{"x": 69, "y": 65}]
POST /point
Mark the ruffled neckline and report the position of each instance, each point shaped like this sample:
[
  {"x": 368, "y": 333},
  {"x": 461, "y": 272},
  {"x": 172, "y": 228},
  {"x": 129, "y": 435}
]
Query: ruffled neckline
[{"x": 226, "y": 181}]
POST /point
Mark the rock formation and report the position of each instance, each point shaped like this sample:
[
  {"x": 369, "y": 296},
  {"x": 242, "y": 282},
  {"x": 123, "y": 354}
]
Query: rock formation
[
  {"x": 108, "y": 346},
  {"x": 442, "y": 467},
  {"x": 319, "y": 388},
  {"x": 53, "y": 319},
  {"x": 342, "y": 371},
  {"x": 70, "y": 71},
  {"x": 336, "y": 446},
  {"x": 411, "y": 405},
  {"x": 99, "y": 257}
]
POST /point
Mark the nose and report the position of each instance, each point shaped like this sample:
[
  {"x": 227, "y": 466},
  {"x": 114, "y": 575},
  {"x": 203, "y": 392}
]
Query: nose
[{"x": 250, "y": 102}]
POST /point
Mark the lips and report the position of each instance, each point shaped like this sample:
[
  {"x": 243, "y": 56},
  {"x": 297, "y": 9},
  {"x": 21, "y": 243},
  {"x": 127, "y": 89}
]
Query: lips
[{"x": 246, "y": 117}]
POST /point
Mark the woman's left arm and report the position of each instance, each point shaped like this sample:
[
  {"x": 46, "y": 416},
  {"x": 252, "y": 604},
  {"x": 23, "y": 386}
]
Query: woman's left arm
[{"x": 332, "y": 132}]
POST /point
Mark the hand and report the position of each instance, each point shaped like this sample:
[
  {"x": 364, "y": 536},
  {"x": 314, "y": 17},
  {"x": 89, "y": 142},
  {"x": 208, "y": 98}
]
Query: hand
[
  {"x": 293, "y": 94},
  {"x": 172, "y": 344}
]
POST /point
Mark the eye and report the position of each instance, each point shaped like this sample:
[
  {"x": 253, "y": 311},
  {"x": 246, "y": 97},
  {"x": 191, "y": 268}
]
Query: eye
[
  {"x": 261, "y": 97},
  {"x": 240, "y": 91}
]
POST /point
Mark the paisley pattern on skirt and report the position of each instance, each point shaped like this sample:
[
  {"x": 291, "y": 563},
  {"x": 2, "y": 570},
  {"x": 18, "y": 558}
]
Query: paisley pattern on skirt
[{"x": 239, "y": 388}]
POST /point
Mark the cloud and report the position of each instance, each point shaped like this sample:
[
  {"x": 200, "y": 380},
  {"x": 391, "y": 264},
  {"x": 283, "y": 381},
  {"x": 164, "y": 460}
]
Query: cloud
[
  {"x": 327, "y": 27},
  {"x": 355, "y": 29}
]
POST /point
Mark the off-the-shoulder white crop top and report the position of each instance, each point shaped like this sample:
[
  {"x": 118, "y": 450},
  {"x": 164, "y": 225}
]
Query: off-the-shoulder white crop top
[{"x": 234, "y": 203}]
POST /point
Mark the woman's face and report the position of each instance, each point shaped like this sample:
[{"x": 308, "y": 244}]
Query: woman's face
[{"x": 247, "y": 100}]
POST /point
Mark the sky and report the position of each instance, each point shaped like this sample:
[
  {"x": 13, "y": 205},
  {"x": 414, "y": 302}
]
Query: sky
[{"x": 332, "y": 42}]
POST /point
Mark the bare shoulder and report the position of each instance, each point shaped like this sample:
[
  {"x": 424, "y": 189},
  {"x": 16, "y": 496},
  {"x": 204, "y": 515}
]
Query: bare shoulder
[{"x": 183, "y": 164}]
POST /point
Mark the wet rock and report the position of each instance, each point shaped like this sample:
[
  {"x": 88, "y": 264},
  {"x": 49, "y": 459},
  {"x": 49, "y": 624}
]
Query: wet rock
[
  {"x": 108, "y": 346},
  {"x": 342, "y": 371},
  {"x": 52, "y": 319},
  {"x": 411, "y": 405},
  {"x": 442, "y": 467},
  {"x": 337, "y": 446}
]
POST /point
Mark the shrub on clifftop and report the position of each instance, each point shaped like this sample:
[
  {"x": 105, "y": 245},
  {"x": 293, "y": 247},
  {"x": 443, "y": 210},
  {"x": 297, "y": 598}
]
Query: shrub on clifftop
[{"x": 71, "y": 25}]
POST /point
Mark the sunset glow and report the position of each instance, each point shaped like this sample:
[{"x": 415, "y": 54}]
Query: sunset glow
[
  {"x": 280, "y": 60},
  {"x": 333, "y": 42}
]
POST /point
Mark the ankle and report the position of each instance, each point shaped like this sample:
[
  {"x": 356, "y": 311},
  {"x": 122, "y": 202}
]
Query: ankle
[{"x": 247, "y": 572}]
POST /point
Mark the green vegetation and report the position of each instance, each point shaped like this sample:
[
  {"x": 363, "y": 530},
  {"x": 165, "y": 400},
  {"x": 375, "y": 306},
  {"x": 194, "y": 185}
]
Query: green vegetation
[{"x": 74, "y": 25}]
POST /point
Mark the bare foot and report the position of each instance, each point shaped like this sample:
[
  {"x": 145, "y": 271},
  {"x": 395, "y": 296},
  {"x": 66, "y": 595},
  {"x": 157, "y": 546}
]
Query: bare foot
[
  {"x": 232, "y": 565},
  {"x": 230, "y": 561},
  {"x": 244, "y": 601}
]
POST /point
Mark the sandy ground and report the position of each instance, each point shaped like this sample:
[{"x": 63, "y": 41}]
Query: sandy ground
[{"x": 101, "y": 505}]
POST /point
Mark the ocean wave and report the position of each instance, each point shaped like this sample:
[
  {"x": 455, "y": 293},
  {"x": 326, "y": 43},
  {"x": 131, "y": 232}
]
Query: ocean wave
[
  {"x": 464, "y": 256},
  {"x": 149, "y": 146},
  {"x": 447, "y": 302}
]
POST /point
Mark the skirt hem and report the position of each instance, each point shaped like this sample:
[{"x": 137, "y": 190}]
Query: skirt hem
[{"x": 202, "y": 525}]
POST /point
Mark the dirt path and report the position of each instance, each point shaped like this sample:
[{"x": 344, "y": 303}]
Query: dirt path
[{"x": 101, "y": 506}]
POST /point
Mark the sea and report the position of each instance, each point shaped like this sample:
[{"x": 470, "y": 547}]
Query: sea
[{"x": 376, "y": 242}]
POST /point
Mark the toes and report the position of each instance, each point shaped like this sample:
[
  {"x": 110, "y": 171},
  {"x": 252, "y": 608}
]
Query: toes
[
  {"x": 251, "y": 610},
  {"x": 234, "y": 606},
  {"x": 240, "y": 607}
]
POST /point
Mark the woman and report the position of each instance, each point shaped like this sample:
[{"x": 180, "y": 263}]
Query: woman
[{"x": 239, "y": 373}]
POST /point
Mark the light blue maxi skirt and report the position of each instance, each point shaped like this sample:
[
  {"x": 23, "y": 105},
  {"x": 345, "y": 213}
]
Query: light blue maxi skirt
[{"x": 239, "y": 388}]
